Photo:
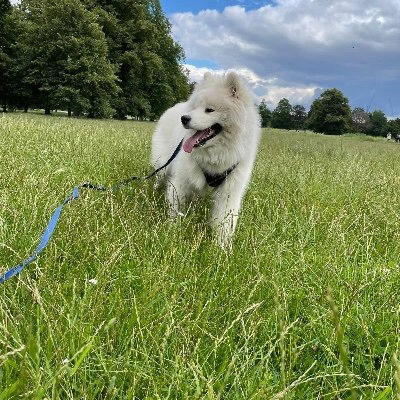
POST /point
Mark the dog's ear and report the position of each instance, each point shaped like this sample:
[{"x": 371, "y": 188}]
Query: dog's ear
[{"x": 233, "y": 82}]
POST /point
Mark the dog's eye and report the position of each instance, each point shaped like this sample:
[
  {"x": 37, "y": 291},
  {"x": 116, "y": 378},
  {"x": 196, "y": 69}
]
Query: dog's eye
[{"x": 209, "y": 110}]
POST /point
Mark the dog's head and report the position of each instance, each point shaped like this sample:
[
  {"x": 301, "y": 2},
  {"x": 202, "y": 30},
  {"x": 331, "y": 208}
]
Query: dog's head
[{"x": 215, "y": 106}]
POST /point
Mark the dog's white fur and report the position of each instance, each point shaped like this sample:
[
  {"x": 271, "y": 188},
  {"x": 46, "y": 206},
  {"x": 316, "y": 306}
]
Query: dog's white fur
[{"x": 237, "y": 143}]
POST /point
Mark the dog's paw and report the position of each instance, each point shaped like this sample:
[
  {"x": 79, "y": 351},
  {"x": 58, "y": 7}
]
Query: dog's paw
[
  {"x": 175, "y": 214},
  {"x": 224, "y": 240}
]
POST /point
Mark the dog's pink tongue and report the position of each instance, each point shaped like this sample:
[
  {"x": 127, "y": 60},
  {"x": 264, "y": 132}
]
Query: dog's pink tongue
[{"x": 190, "y": 142}]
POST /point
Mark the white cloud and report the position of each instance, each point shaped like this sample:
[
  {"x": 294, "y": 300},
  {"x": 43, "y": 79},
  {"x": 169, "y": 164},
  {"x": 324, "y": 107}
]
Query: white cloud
[
  {"x": 263, "y": 88},
  {"x": 295, "y": 95},
  {"x": 302, "y": 45},
  {"x": 196, "y": 73}
]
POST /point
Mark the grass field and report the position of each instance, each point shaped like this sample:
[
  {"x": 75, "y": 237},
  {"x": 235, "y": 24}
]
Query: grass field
[{"x": 125, "y": 304}]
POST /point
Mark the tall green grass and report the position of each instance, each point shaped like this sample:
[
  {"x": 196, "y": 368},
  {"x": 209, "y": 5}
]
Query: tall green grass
[{"x": 126, "y": 304}]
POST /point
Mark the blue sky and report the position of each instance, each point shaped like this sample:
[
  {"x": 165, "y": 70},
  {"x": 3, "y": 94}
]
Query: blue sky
[
  {"x": 296, "y": 48},
  {"x": 171, "y": 6}
]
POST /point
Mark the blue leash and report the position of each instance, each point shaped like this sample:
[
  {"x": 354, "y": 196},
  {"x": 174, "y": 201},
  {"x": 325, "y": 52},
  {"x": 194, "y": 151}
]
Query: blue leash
[{"x": 51, "y": 226}]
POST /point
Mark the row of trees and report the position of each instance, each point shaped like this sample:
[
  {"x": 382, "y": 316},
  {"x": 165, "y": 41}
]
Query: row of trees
[
  {"x": 93, "y": 57},
  {"x": 284, "y": 116},
  {"x": 117, "y": 58},
  {"x": 330, "y": 113}
]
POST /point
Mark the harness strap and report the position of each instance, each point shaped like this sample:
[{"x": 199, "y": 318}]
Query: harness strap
[{"x": 218, "y": 179}]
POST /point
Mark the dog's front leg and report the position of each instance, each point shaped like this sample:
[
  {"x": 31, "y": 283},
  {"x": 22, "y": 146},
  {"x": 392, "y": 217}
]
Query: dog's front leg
[
  {"x": 225, "y": 213},
  {"x": 176, "y": 197}
]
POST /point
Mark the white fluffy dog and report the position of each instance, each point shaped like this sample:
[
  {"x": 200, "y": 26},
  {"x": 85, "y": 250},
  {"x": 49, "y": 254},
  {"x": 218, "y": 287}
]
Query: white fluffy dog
[{"x": 220, "y": 128}]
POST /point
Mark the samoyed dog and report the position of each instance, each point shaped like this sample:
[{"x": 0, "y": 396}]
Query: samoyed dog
[{"x": 220, "y": 128}]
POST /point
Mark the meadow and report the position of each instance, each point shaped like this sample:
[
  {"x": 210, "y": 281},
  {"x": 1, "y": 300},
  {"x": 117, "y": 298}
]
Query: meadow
[{"x": 126, "y": 304}]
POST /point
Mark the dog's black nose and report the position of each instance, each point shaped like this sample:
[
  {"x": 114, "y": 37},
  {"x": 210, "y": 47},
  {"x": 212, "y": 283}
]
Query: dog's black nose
[{"x": 185, "y": 119}]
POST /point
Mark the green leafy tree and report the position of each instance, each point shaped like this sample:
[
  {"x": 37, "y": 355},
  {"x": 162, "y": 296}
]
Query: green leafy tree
[
  {"x": 265, "y": 114},
  {"x": 21, "y": 91},
  {"x": 282, "y": 115},
  {"x": 361, "y": 122},
  {"x": 299, "y": 117},
  {"x": 171, "y": 82},
  {"x": 150, "y": 74},
  {"x": 379, "y": 123},
  {"x": 394, "y": 126},
  {"x": 14, "y": 90},
  {"x": 330, "y": 113},
  {"x": 66, "y": 58},
  {"x": 5, "y": 8},
  {"x": 5, "y": 49}
]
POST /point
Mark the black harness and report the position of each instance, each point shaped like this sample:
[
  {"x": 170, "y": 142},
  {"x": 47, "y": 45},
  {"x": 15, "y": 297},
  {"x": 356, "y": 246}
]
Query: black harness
[
  {"x": 218, "y": 179},
  {"x": 212, "y": 180}
]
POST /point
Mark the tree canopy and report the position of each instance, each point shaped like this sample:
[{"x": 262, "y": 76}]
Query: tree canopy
[
  {"x": 282, "y": 115},
  {"x": 265, "y": 114},
  {"x": 5, "y": 49},
  {"x": 92, "y": 57},
  {"x": 299, "y": 117},
  {"x": 67, "y": 63},
  {"x": 330, "y": 113}
]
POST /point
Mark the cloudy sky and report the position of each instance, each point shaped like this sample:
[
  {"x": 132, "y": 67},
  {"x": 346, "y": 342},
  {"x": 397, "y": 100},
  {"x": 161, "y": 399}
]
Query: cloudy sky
[{"x": 297, "y": 48}]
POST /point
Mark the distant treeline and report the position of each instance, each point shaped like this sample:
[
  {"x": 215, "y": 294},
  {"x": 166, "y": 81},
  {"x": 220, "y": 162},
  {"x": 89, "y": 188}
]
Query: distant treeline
[
  {"x": 96, "y": 58},
  {"x": 330, "y": 114}
]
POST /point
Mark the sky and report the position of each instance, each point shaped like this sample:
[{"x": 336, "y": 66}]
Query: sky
[{"x": 296, "y": 48}]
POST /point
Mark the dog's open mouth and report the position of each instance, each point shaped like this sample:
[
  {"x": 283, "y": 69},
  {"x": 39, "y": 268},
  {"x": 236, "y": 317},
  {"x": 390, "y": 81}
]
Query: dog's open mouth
[{"x": 201, "y": 137}]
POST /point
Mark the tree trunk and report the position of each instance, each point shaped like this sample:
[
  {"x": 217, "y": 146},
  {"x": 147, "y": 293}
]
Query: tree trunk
[
  {"x": 47, "y": 111},
  {"x": 69, "y": 112},
  {"x": 26, "y": 108}
]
